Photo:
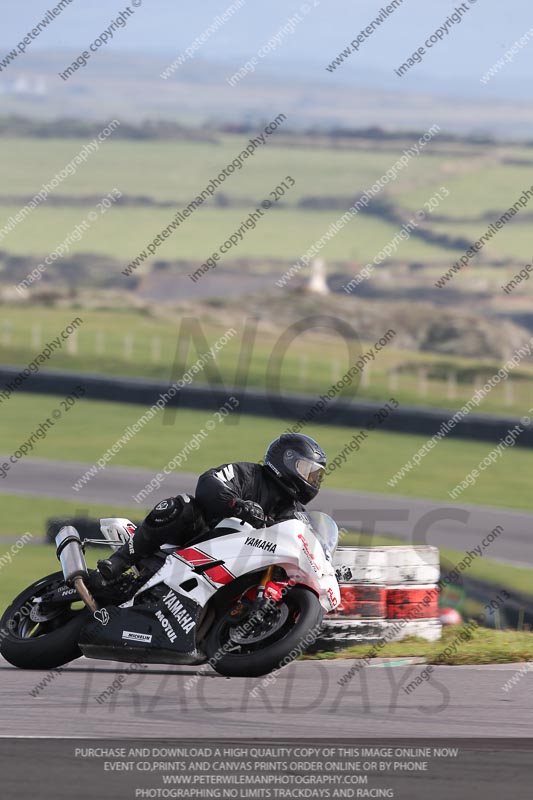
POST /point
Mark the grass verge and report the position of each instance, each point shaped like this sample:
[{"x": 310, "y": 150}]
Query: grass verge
[
  {"x": 483, "y": 646},
  {"x": 91, "y": 427}
]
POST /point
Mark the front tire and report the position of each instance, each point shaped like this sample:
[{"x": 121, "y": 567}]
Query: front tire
[
  {"x": 45, "y": 643},
  {"x": 301, "y": 615}
]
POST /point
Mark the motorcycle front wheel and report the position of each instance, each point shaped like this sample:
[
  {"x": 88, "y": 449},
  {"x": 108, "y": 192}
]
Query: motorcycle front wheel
[
  {"x": 37, "y": 637},
  {"x": 239, "y": 649}
]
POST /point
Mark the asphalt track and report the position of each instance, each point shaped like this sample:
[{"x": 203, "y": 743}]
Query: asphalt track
[
  {"x": 303, "y": 700},
  {"x": 457, "y": 526}
]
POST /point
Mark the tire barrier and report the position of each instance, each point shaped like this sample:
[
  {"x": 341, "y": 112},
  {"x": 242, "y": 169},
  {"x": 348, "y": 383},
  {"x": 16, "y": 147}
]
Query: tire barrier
[
  {"x": 387, "y": 594},
  {"x": 351, "y": 414},
  {"x": 339, "y": 633}
]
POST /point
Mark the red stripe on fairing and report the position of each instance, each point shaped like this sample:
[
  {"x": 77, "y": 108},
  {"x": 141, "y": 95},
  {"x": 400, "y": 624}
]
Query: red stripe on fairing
[
  {"x": 194, "y": 556},
  {"x": 218, "y": 574}
]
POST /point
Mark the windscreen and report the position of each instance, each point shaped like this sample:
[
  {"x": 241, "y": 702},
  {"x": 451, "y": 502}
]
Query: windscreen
[{"x": 325, "y": 530}]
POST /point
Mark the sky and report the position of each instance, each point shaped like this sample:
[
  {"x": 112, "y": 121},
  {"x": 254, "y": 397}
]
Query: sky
[{"x": 166, "y": 27}]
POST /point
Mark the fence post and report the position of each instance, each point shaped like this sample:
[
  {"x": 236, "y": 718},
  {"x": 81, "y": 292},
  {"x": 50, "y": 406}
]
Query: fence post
[
  {"x": 128, "y": 346},
  {"x": 422, "y": 381},
  {"x": 36, "y": 331},
  {"x": 392, "y": 376},
  {"x": 451, "y": 385},
  {"x": 7, "y": 332},
  {"x": 72, "y": 344}
]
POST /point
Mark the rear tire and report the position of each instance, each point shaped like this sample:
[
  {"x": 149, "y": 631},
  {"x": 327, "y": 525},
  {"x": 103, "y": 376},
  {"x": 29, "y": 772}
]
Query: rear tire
[
  {"x": 305, "y": 612},
  {"x": 43, "y": 645}
]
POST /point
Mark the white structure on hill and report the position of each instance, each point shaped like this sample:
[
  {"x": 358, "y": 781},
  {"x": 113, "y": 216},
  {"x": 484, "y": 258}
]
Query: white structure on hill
[{"x": 317, "y": 279}]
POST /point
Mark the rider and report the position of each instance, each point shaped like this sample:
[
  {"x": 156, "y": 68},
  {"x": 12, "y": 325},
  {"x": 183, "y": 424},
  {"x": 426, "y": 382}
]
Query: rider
[{"x": 261, "y": 494}]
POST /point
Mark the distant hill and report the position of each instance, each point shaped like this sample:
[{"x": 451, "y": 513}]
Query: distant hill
[{"x": 129, "y": 87}]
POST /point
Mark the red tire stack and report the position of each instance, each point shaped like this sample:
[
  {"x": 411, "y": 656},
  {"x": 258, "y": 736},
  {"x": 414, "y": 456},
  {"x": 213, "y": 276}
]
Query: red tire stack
[{"x": 387, "y": 593}]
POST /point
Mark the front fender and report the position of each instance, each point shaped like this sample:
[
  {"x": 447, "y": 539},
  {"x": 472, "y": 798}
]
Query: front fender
[{"x": 330, "y": 595}]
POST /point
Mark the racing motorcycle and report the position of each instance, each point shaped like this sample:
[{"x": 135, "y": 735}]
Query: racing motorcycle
[{"x": 245, "y": 601}]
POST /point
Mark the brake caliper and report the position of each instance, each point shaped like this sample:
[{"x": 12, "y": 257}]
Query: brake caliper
[{"x": 276, "y": 591}]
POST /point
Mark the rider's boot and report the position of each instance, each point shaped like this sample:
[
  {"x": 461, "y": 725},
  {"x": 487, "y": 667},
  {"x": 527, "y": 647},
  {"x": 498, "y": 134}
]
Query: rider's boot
[
  {"x": 170, "y": 521},
  {"x": 126, "y": 556},
  {"x": 113, "y": 567}
]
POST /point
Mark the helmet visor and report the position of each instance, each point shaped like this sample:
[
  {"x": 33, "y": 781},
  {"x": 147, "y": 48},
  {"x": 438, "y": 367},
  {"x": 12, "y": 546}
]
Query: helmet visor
[{"x": 310, "y": 471}]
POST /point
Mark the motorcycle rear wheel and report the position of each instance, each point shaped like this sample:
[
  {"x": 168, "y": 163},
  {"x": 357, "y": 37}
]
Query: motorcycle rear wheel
[
  {"x": 44, "y": 644},
  {"x": 301, "y": 615}
]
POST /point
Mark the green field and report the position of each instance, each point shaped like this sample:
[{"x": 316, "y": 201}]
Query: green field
[
  {"x": 478, "y": 178},
  {"x": 312, "y": 363},
  {"x": 123, "y": 233},
  {"x": 90, "y": 428},
  {"x": 176, "y": 170}
]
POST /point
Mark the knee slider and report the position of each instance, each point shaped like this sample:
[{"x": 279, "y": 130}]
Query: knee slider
[{"x": 164, "y": 512}]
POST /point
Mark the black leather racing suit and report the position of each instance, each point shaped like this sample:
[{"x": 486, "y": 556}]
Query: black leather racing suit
[
  {"x": 181, "y": 519},
  {"x": 218, "y": 489}
]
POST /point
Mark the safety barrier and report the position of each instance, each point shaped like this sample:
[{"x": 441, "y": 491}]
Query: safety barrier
[
  {"x": 352, "y": 413},
  {"x": 387, "y": 594}
]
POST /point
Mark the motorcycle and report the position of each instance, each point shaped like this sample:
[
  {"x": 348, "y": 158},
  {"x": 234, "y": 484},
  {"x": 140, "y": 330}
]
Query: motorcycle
[{"x": 245, "y": 600}]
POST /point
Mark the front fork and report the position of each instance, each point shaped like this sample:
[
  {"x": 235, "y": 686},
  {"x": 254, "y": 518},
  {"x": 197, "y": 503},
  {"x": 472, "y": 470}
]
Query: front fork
[
  {"x": 269, "y": 594},
  {"x": 267, "y": 577}
]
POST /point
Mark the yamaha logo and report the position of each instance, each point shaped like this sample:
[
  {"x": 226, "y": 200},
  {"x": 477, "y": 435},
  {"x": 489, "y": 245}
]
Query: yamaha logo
[{"x": 162, "y": 506}]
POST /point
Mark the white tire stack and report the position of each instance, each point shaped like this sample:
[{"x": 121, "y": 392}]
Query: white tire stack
[{"x": 387, "y": 594}]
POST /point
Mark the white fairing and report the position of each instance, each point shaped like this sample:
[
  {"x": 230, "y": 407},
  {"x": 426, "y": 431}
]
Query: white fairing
[
  {"x": 292, "y": 545},
  {"x": 115, "y": 528}
]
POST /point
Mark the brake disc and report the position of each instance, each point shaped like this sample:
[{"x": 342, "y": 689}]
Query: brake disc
[
  {"x": 38, "y": 615},
  {"x": 240, "y": 636}
]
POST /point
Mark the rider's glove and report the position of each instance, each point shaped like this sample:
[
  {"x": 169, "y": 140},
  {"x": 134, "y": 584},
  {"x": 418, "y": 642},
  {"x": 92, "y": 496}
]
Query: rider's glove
[{"x": 249, "y": 511}]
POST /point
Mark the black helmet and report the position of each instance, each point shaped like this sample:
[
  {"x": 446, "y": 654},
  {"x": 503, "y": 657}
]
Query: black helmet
[{"x": 298, "y": 463}]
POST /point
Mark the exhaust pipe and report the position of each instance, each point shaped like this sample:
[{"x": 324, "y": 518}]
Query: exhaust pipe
[{"x": 70, "y": 553}]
